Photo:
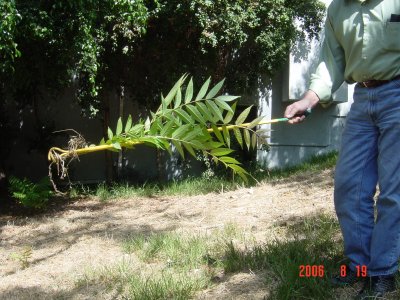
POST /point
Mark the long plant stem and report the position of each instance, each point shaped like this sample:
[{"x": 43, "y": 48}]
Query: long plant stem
[{"x": 54, "y": 152}]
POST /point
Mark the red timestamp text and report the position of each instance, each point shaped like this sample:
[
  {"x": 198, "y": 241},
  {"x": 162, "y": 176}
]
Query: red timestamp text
[
  {"x": 361, "y": 271},
  {"x": 311, "y": 271}
]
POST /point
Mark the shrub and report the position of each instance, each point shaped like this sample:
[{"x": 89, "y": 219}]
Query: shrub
[{"x": 29, "y": 194}]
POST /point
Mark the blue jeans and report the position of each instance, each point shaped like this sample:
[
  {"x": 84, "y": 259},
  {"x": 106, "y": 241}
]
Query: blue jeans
[{"x": 370, "y": 154}]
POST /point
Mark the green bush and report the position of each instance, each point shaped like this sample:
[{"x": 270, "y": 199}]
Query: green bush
[{"x": 29, "y": 194}]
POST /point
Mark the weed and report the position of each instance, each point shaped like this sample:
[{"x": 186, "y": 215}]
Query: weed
[
  {"x": 102, "y": 192},
  {"x": 23, "y": 256},
  {"x": 29, "y": 194}
]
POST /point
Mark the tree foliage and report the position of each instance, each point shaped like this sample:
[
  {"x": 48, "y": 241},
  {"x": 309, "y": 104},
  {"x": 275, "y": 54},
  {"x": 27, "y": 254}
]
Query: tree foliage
[
  {"x": 242, "y": 41},
  {"x": 8, "y": 46},
  {"x": 63, "y": 42},
  {"x": 146, "y": 43}
]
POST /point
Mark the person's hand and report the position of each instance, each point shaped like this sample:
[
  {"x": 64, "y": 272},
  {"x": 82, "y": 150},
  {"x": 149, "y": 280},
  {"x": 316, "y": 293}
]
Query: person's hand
[{"x": 309, "y": 100}]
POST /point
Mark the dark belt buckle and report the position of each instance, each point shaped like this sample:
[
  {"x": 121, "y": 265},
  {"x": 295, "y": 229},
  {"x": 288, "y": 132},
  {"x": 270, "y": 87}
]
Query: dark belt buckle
[
  {"x": 373, "y": 83},
  {"x": 365, "y": 84}
]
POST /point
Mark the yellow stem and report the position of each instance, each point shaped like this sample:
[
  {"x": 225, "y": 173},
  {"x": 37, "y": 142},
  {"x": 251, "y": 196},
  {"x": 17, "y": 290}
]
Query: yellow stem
[{"x": 229, "y": 127}]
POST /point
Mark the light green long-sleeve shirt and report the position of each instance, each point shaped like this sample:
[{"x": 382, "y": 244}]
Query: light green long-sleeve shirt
[{"x": 361, "y": 43}]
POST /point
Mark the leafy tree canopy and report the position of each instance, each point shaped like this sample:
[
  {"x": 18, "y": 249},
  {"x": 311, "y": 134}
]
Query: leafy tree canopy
[
  {"x": 146, "y": 44},
  {"x": 239, "y": 40},
  {"x": 62, "y": 42}
]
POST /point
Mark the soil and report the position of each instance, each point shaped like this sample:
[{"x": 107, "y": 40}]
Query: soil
[{"x": 70, "y": 239}]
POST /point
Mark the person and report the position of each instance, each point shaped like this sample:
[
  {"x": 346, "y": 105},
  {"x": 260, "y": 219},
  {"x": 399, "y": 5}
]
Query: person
[{"x": 362, "y": 45}]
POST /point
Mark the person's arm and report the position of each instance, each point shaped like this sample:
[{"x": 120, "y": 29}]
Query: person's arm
[
  {"x": 327, "y": 78},
  {"x": 309, "y": 100}
]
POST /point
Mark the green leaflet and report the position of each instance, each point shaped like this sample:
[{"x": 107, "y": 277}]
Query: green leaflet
[
  {"x": 215, "y": 110},
  {"x": 240, "y": 171},
  {"x": 128, "y": 125},
  {"x": 178, "y": 147},
  {"x": 215, "y": 89},
  {"x": 147, "y": 124},
  {"x": 247, "y": 139},
  {"x": 238, "y": 136},
  {"x": 221, "y": 151},
  {"x": 196, "y": 114},
  {"x": 184, "y": 116},
  {"x": 109, "y": 133},
  {"x": 227, "y": 136},
  {"x": 229, "y": 115},
  {"x": 217, "y": 133},
  {"x": 163, "y": 103},
  {"x": 203, "y": 89},
  {"x": 212, "y": 145},
  {"x": 189, "y": 91},
  {"x": 177, "y": 134},
  {"x": 203, "y": 109},
  {"x": 255, "y": 122},
  {"x": 189, "y": 149},
  {"x": 118, "y": 131},
  {"x": 136, "y": 131},
  {"x": 168, "y": 129},
  {"x": 155, "y": 126},
  {"x": 178, "y": 98},
  {"x": 192, "y": 134},
  {"x": 227, "y": 98},
  {"x": 229, "y": 160},
  {"x": 117, "y": 146},
  {"x": 166, "y": 146},
  {"x": 242, "y": 117},
  {"x": 171, "y": 95},
  {"x": 198, "y": 145},
  {"x": 223, "y": 105},
  {"x": 254, "y": 140},
  {"x": 152, "y": 141}
]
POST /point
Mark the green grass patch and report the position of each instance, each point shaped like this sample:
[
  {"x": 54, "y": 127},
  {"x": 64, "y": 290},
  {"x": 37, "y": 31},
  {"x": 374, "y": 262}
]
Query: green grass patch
[
  {"x": 310, "y": 243},
  {"x": 172, "y": 265},
  {"x": 315, "y": 163},
  {"x": 175, "y": 265},
  {"x": 196, "y": 186},
  {"x": 166, "y": 286},
  {"x": 168, "y": 249}
]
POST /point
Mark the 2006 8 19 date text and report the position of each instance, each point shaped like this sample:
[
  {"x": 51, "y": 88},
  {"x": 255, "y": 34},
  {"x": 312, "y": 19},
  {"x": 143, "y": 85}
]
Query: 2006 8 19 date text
[{"x": 311, "y": 271}]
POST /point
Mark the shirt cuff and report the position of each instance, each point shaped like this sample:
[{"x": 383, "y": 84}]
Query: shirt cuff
[{"x": 323, "y": 91}]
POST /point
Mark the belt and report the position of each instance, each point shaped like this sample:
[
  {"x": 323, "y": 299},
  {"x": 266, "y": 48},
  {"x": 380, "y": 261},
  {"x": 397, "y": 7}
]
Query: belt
[{"x": 375, "y": 83}]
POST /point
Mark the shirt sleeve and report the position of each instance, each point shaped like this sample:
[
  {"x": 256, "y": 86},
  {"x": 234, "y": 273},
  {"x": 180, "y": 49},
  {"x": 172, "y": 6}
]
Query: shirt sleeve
[{"x": 329, "y": 74}]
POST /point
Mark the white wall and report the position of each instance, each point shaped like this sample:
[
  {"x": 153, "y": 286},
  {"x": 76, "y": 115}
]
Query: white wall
[{"x": 320, "y": 132}]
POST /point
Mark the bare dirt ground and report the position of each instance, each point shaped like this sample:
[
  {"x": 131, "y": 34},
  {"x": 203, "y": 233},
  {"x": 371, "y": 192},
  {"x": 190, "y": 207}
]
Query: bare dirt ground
[{"x": 88, "y": 233}]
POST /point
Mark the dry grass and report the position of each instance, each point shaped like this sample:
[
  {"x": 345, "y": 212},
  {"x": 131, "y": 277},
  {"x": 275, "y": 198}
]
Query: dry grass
[{"x": 70, "y": 246}]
